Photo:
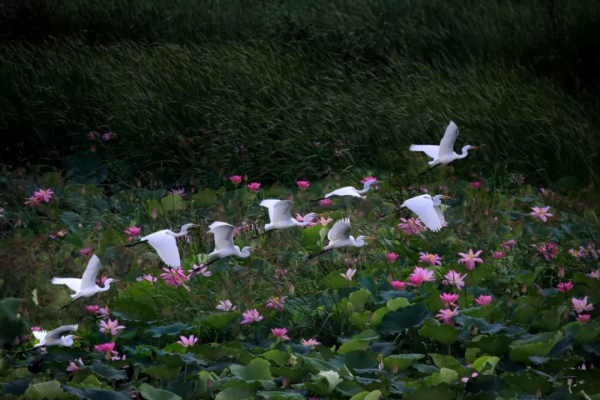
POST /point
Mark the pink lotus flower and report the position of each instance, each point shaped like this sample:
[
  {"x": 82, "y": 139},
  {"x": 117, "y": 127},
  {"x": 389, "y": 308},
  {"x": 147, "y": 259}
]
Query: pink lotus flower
[
  {"x": 179, "y": 192},
  {"x": 32, "y": 201},
  {"x": 470, "y": 259},
  {"x": 175, "y": 277},
  {"x": 483, "y": 300},
  {"x": 324, "y": 221},
  {"x": 107, "y": 136},
  {"x": 276, "y": 303},
  {"x": 300, "y": 218},
  {"x": 325, "y": 202},
  {"x": 595, "y": 274},
  {"x": 199, "y": 270},
  {"x": 43, "y": 195},
  {"x": 584, "y": 318},
  {"x": 107, "y": 348},
  {"x": 411, "y": 226},
  {"x": 254, "y": 187},
  {"x": 148, "y": 278},
  {"x": 541, "y": 213},
  {"x": 349, "y": 274},
  {"x": 561, "y": 272},
  {"x": 591, "y": 249},
  {"x": 93, "y": 135},
  {"x": 475, "y": 185},
  {"x": 310, "y": 342},
  {"x": 225, "y": 305},
  {"x": 280, "y": 333},
  {"x": 580, "y": 306},
  {"x": 235, "y": 179},
  {"x": 391, "y": 257},
  {"x": 350, "y": 261},
  {"x": 280, "y": 273},
  {"x": 35, "y": 329},
  {"x": 303, "y": 185},
  {"x": 466, "y": 379},
  {"x": 397, "y": 285},
  {"x": 509, "y": 244},
  {"x": 446, "y": 315},
  {"x": 86, "y": 252},
  {"x": 449, "y": 299},
  {"x": 564, "y": 286},
  {"x": 75, "y": 366},
  {"x": 548, "y": 250},
  {"x": 454, "y": 278},
  {"x": 497, "y": 255},
  {"x": 421, "y": 275},
  {"x": 153, "y": 213},
  {"x": 431, "y": 259},
  {"x": 101, "y": 281},
  {"x": 92, "y": 309},
  {"x": 62, "y": 233},
  {"x": 111, "y": 326},
  {"x": 132, "y": 232},
  {"x": 251, "y": 316},
  {"x": 187, "y": 341},
  {"x": 103, "y": 312}
]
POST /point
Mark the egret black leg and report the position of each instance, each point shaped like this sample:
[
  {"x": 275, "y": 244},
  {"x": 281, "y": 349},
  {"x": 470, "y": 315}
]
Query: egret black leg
[{"x": 316, "y": 255}]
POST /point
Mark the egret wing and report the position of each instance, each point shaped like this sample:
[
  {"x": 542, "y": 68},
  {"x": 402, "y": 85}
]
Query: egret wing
[
  {"x": 339, "y": 230},
  {"x": 223, "y": 235},
  {"x": 72, "y": 283},
  {"x": 424, "y": 208},
  {"x": 440, "y": 214},
  {"x": 345, "y": 191},
  {"x": 58, "y": 332},
  {"x": 429, "y": 149},
  {"x": 88, "y": 280},
  {"x": 447, "y": 143},
  {"x": 166, "y": 248},
  {"x": 39, "y": 335},
  {"x": 279, "y": 210}
]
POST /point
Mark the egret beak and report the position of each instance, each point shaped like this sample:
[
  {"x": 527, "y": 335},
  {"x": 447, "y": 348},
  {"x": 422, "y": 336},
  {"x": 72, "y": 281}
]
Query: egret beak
[
  {"x": 77, "y": 337},
  {"x": 380, "y": 182},
  {"x": 447, "y": 198},
  {"x": 254, "y": 248},
  {"x": 474, "y": 147},
  {"x": 369, "y": 237}
]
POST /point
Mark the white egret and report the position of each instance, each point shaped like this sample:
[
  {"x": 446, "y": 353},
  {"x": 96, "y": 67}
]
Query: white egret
[
  {"x": 339, "y": 236},
  {"x": 351, "y": 191},
  {"x": 281, "y": 217},
  {"x": 428, "y": 209},
  {"x": 55, "y": 338},
  {"x": 165, "y": 244},
  {"x": 224, "y": 246},
  {"x": 444, "y": 153},
  {"x": 86, "y": 286}
]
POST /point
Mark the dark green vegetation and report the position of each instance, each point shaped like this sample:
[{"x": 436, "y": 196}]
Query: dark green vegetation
[{"x": 184, "y": 83}]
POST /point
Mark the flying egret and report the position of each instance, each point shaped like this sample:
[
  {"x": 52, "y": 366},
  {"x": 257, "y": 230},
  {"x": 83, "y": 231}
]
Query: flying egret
[
  {"x": 165, "y": 244},
  {"x": 224, "y": 246},
  {"x": 280, "y": 216},
  {"x": 428, "y": 209},
  {"x": 86, "y": 286},
  {"x": 55, "y": 338},
  {"x": 444, "y": 153},
  {"x": 350, "y": 191},
  {"x": 339, "y": 236}
]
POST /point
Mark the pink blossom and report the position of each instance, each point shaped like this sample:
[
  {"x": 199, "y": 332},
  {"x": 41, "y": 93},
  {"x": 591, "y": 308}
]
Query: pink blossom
[
  {"x": 107, "y": 136},
  {"x": 497, "y": 255},
  {"x": 548, "y": 250},
  {"x": 325, "y": 202},
  {"x": 86, "y": 252},
  {"x": 349, "y": 274},
  {"x": 175, "y": 277},
  {"x": 101, "y": 281},
  {"x": 541, "y": 213},
  {"x": 591, "y": 249},
  {"x": 43, "y": 195},
  {"x": 199, "y": 270},
  {"x": 509, "y": 244},
  {"x": 580, "y": 306},
  {"x": 254, "y": 187},
  {"x": 470, "y": 259},
  {"x": 391, "y": 257},
  {"x": 251, "y": 316},
  {"x": 280, "y": 333},
  {"x": 483, "y": 300},
  {"x": 350, "y": 261},
  {"x": 180, "y": 192},
  {"x": 133, "y": 232},
  {"x": 454, "y": 278},
  {"x": 324, "y": 221},
  {"x": 111, "y": 326},
  {"x": 35, "y": 329},
  {"x": 92, "y": 309},
  {"x": 75, "y": 366},
  {"x": 584, "y": 318},
  {"x": 62, "y": 233},
  {"x": 595, "y": 274},
  {"x": 187, "y": 341},
  {"x": 303, "y": 185},
  {"x": 431, "y": 259},
  {"x": 276, "y": 303},
  {"x": 103, "y": 312},
  {"x": 411, "y": 226},
  {"x": 449, "y": 299},
  {"x": 148, "y": 278},
  {"x": 93, "y": 135},
  {"x": 153, "y": 213},
  {"x": 475, "y": 185},
  {"x": 446, "y": 315},
  {"x": 225, "y": 305},
  {"x": 280, "y": 273},
  {"x": 291, "y": 288},
  {"x": 397, "y": 285},
  {"x": 310, "y": 342},
  {"x": 32, "y": 201},
  {"x": 108, "y": 348},
  {"x": 235, "y": 179},
  {"x": 421, "y": 275},
  {"x": 564, "y": 286},
  {"x": 466, "y": 379},
  {"x": 561, "y": 272},
  {"x": 300, "y": 218}
]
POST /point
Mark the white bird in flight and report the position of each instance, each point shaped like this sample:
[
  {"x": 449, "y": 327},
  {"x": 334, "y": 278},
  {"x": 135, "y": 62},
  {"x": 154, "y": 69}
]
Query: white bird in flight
[
  {"x": 281, "y": 217},
  {"x": 55, "y": 338},
  {"x": 86, "y": 286},
  {"x": 428, "y": 209},
  {"x": 351, "y": 191},
  {"x": 224, "y": 246},
  {"x": 444, "y": 153},
  {"x": 339, "y": 236},
  {"x": 165, "y": 244}
]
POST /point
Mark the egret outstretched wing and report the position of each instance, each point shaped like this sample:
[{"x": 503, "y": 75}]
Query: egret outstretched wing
[
  {"x": 88, "y": 280},
  {"x": 279, "y": 210},
  {"x": 340, "y": 230},
  {"x": 423, "y": 207},
  {"x": 440, "y": 214},
  {"x": 223, "y": 235},
  {"x": 39, "y": 335},
  {"x": 72, "y": 283},
  {"x": 447, "y": 143},
  {"x": 57, "y": 333},
  {"x": 165, "y": 246},
  {"x": 429, "y": 149}
]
